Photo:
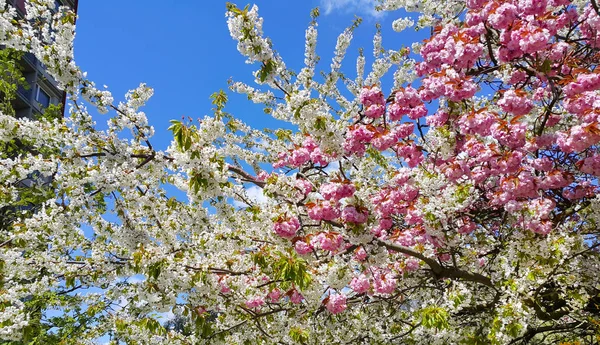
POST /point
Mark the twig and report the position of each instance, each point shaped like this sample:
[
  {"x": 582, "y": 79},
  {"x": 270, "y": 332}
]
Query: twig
[{"x": 6, "y": 242}]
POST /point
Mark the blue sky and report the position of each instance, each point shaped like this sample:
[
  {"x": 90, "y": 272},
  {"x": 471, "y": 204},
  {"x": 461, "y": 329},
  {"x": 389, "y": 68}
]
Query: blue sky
[{"x": 183, "y": 50}]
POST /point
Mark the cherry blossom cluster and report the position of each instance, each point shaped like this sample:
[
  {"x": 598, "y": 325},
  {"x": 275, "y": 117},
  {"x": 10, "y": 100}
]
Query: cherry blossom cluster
[
  {"x": 459, "y": 206},
  {"x": 308, "y": 151}
]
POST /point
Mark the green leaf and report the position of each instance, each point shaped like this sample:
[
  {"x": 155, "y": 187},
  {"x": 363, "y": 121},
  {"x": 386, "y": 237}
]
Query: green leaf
[
  {"x": 377, "y": 156},
  {"x": 69, "y": 281},
  {"x": 434, "y": 317},
  {"x": 321, "y": 123},
  {"x": 299, "y": 335},
  {"x": 283, "y": 134},
  {"x": 155, "y": 269},
  {"x": 219, "y": 99},
  {"x": 267, "y": 68},
  {"x": 292, "y": 268},
  {"x": 546, "y": 66}
]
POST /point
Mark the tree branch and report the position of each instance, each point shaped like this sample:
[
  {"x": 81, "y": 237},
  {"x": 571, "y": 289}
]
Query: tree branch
[
  {"x": 245, "y": 175},
  {"x": 595, "y": 6},
  {"x": 6, "y": 242},
  {"x": 532, "y": 332},
  {"x": 439, "y": 270}
]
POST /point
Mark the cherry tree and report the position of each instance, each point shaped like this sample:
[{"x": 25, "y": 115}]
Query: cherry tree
[{"x": 457, "y": 206}]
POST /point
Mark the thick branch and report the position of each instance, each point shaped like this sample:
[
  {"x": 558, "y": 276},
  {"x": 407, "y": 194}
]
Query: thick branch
[
  {"x": 247, "y": 177},
  {"x": 218, "y": 270},
  {"x": 439, "y": 270},
  {"x": 480, "y": 308},
  {"x": 532, "y": 332}
]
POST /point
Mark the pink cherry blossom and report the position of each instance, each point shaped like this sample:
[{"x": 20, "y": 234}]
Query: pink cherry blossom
[
  {"x": 324, "y": 210},
  {"x": 255, "y": 303},
  {"x": 411, "y": 153},
  {"x": 303, "y": 248},
  {"x": 286, "y": 227},
  {"x": 329, "y": 241},
  {"x": 360, "y": 284},
  {"x": 296, "y": 297},
  {"x": 337, "y": 190},
  {"x": 336, "y": 303},
  {"x": 515, "y": 103},
  {"x": 304, "y": 186},
  {"x": 503, "y": 16},
  {"x": 373, "y": 101},
  {"x": 411, "y": 265},
  {"x": 591, "y": 165},
  {"x": 224, "y": 288},
  {"x": 384, "y": 282},
  {"x": 360, "y": 254},
  {"x": 351, "y": 215},
  {"x": 275, "y": 295}
]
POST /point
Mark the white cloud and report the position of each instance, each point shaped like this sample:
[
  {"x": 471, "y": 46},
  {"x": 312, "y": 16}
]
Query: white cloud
[
  {"x": 255, "y": 195},
  {"x": 358, "y": 7}
]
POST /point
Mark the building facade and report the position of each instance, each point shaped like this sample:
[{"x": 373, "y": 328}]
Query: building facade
[
  {"x": 42, "y": 90},
  {"x": 29, "y": 102}
]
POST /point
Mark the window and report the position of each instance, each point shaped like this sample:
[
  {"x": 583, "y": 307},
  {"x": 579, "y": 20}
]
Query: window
[
  {"x": 20, "y": 4},
  {"x": 57, "y": 5},
  {"x": 42, "y": 97}
]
